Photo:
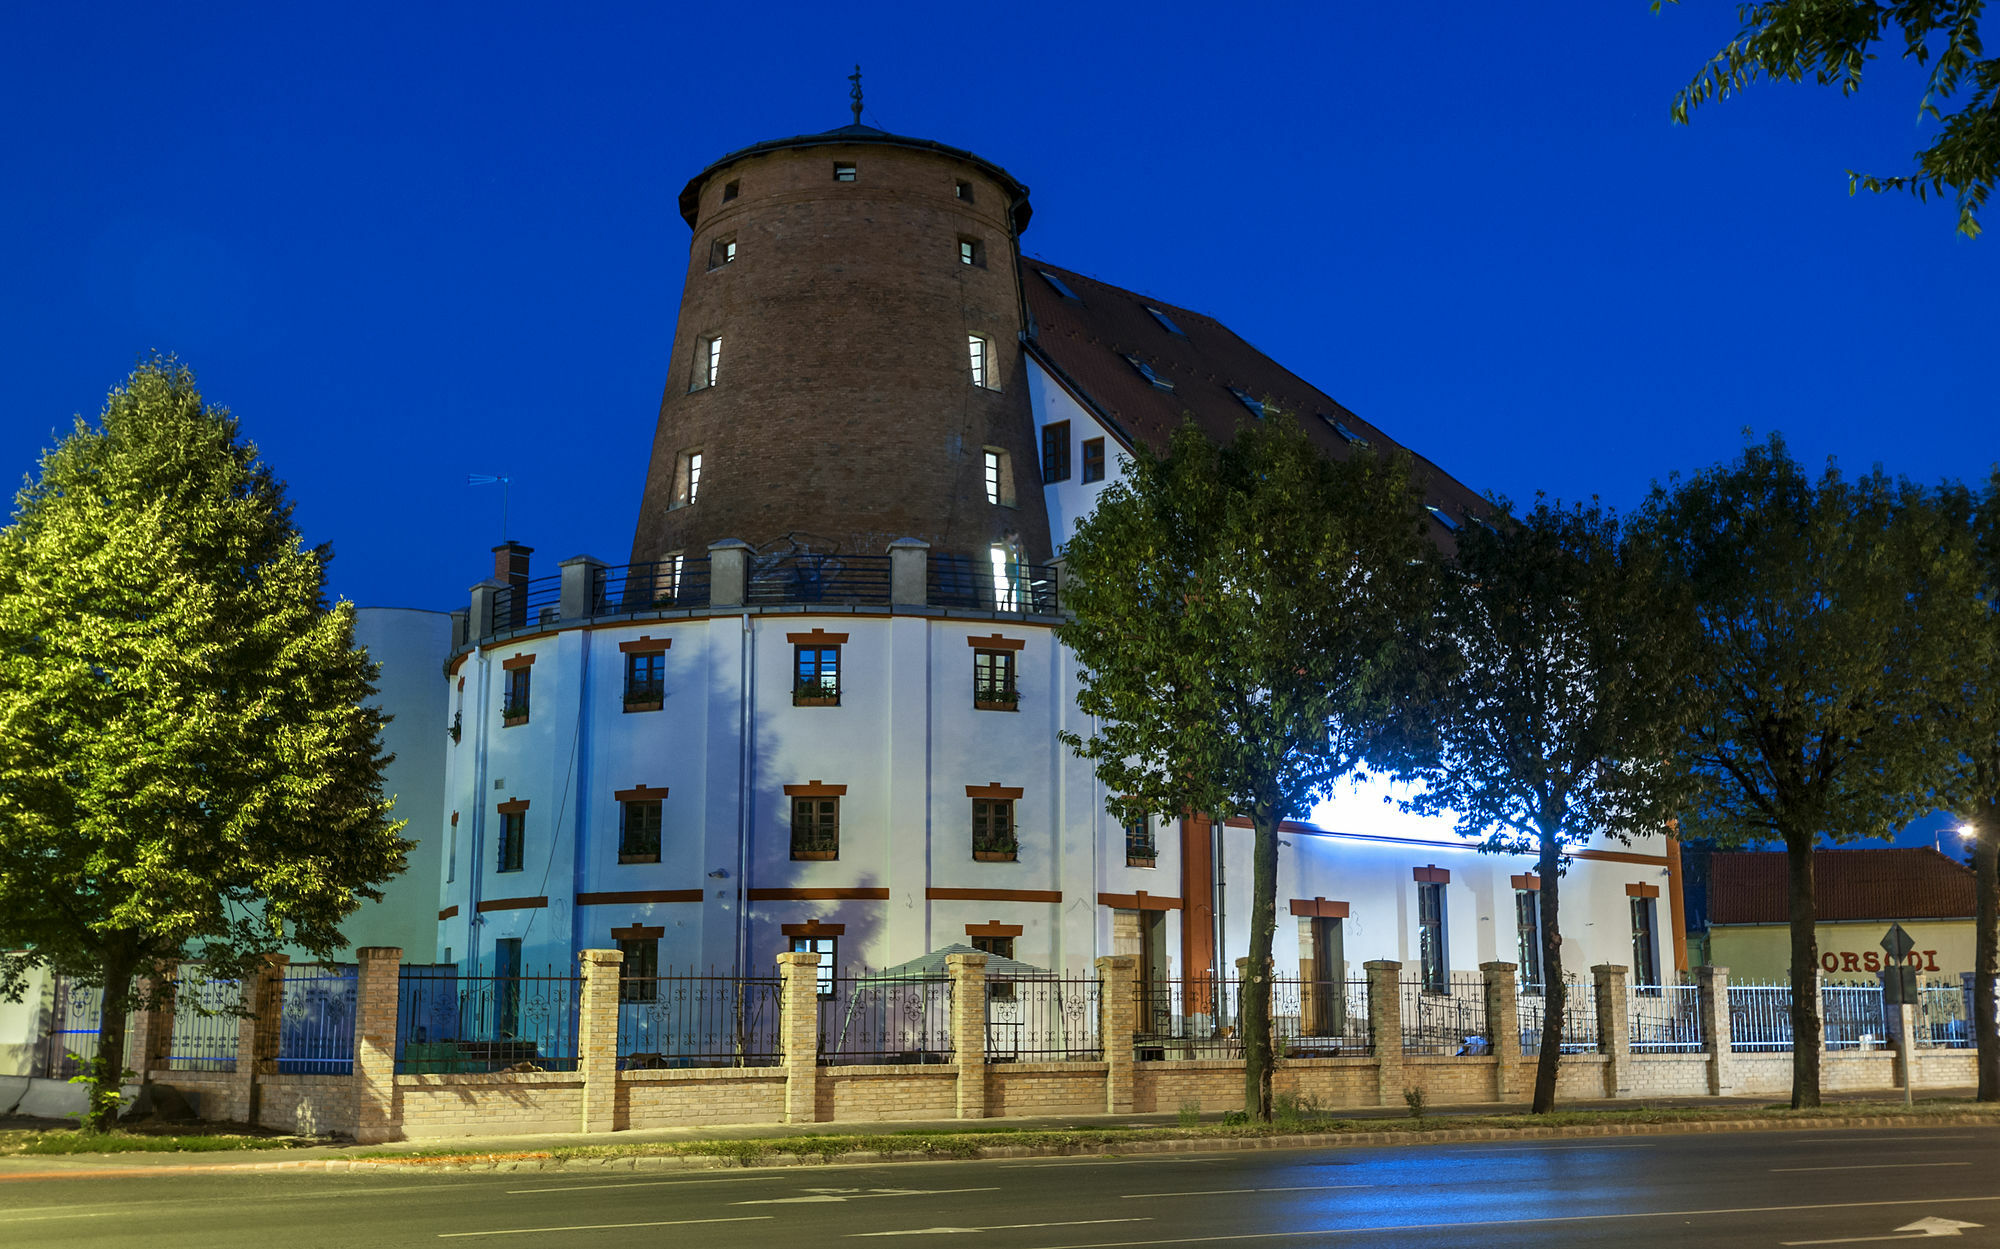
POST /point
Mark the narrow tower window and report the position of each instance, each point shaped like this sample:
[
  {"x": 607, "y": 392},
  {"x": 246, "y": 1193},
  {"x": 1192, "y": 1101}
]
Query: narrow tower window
[
  {"x": 687, "y": 479},
  {"x": 982, "y": 361},
  {"x": 707, "y": 363},
  {"x": 999, "y": 477},
  {"x": 963, "y": 190},
  {"x": 972, "y": 252},
  {"x": 730, "y": 190},
  {"x": 843, "y": 172},
  {"x": 721, "y": 252}
]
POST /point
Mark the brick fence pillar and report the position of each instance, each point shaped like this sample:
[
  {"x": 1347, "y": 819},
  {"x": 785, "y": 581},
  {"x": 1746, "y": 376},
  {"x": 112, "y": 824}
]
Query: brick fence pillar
[
  {"x": 256, "y": 1039},
  {"x": 798, "y": 1029},
  {"x": 1385, "y": 1027},
  {"x": 1712, "y": 983},
  {"x": 1614, "y": 1027},
  {"x": 1118, "y": 1021},
  {"x": 377, "y": 991},
  {"x": 1503, "y": 1027},
  {"x": 968, "y": 1030},
  {"x": 597, "y": 1038},
  {"x": 152, "y": 1023}
]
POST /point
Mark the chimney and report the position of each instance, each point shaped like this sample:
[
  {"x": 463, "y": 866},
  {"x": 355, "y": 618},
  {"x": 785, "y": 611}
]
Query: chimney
[{"x": 510, "y": 568}]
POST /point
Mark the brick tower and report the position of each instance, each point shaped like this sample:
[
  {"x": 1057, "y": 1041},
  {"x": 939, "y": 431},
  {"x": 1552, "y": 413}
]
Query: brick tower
[{"x": 847, "y": 368}]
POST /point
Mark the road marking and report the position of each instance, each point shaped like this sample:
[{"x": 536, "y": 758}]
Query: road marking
[
  {"x": 720, "y": 1179},
  {"x": 1535, "y": 1149},
  {"x": 604, "y": 1227},
  {"x": 1105, "y": 1162},
  {"x": 38, "y": 1218},
  {"x": 1554, "y": 1218},
  {"x": 1873, "y": 1166},
  {"x": 1922, "y": 1229},
  {"x": 995, "y": 1227},
  {"x": 1844, "y": 1140},
  {"x": 819, "y": 1195},
  {"x": 1220, "y": 1192}
]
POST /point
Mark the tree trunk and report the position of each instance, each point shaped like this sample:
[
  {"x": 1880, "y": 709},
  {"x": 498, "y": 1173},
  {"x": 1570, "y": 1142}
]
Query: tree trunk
[
  {"x": 1256, "y": 1001},
  {"x": 107, "y": 1069},
  {"x": 1805, "y": 970},
  {"x": 1986, "y": 949},
  {"x": 1555, "y": 994}
]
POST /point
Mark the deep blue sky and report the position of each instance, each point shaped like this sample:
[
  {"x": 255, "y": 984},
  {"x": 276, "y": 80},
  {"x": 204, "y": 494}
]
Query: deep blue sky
[{"x": 408, "y": 242}]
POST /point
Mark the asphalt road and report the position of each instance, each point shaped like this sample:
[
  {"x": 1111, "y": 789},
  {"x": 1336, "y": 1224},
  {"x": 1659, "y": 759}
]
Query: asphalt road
[{"x": 1723, "y": 1190}]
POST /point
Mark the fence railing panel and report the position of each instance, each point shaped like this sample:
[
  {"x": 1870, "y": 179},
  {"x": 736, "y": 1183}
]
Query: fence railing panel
[
  {"x": 208, "y": 1017},
  {"x": 1851, "y": 1017},
  {"x": 1451, "y": 1021},
  {"x": 972, "y": 581},
  {"x": 76, "y": 1013},
  {"x": 536, "y": 603},
  {"x": 452, "y": 1021},
  {"x": 877, "y": 1019},
  {"x": 1760, "y": 1017},
  {"x": 699, "y": 1021},
  {"x": 1579, "y": 1026},
  {"x": 1941, "y": 1017},
  {"x": 316, "y": 1020},
  {"x": 661, "y": 585},
  {"x": 810, "y": 578},
  {"x": 1320, "y": 1018},
  {"x": 1042, "y": 1020},
  {"x": 1666, "y": 1019}
]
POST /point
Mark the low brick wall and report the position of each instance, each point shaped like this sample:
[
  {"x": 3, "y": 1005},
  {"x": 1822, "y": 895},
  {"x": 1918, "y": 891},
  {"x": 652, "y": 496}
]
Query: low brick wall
[
  {"x": 307, "y": 1105},
  {"x": 1665, "y": 1075},
  {"x": 861, "y": 1094},
  {"x": 207, "y": 1091},
  {"x": 1045, "y": 1088},
  {"x": 697, "y": 1096},
  {"x": 488, "y": 1105},
  {"x": 1577, "y": 1076}
]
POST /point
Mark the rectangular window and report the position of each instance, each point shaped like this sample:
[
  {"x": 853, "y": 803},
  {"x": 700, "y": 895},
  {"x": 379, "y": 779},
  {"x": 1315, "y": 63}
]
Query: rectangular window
[
  {"x": 963, "y": 190},
  {"x": 639, "y": 831},
  {"x": 507, "y": 986},
  {"x": 730, "y": 190},
  {"x": 998, "y": 947},
  {"x": 1055, "y": 452},
  {"x": 843, "y": 172},
  {"x": 1140, "y": 849},
  {"x": 707, "y": 363},
  {"x": 992, "y": 476},
  {"x": 815, "y": 828},
  {"x": 817, "y": 676},
  {"x": 972, "y": 252},
  {"x": 1528, "y": 924},
  {"x": 1431, "y": 937},
  {"x": 639, "y": 974},
  {"x": 721, "y": 252},
  {"x": 993, "y": 679},
  {"x": 514, "y": 704},
  {"x": 1645, "y": 954},
  {"x": 976, "y": 346},
  {"x": 451, "y": 853},
  {"x": 993, "y": 829},
  {"x": 1093, "y": 459},
  {"x": 645, "y": 678},
  {"x": 513, "y": 833},
  {"x": 824, "y": 947},
  {"x": 667, "y": 579},
  {"x": 687, "y": 479}
]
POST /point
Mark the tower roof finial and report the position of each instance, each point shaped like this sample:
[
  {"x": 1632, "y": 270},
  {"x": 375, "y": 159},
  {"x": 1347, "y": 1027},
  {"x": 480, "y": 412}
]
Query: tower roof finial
[{"x": 855, "y": 94}]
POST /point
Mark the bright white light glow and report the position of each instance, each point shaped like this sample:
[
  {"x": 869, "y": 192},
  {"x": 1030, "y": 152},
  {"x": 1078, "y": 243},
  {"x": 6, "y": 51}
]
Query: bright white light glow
[
  {"x": 1358, "y": 807},
  {"x": 1967, "y": 831}
]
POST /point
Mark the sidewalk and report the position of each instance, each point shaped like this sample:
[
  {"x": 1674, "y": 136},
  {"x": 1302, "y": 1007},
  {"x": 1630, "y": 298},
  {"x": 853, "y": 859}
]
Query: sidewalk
[{"x": 1879, "y": 1102}]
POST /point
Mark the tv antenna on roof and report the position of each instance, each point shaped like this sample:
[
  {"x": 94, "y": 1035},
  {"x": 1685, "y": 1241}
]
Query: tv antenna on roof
[
  {"x": 501, "y": 480},
  {"x": 855, "y": 94}
]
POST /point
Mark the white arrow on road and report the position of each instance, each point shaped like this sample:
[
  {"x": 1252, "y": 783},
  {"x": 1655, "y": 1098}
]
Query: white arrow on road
[{"x": 1922, "y": 1228}]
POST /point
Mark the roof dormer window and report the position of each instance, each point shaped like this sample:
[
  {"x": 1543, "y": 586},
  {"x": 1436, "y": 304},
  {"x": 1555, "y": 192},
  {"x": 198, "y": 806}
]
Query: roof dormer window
[
  {"x": 1443, "y": 517},
  {"x": 1061, "y": 287},
  {"x": 1146, "y": 371},
  {"x": 1166, "y": 322},
  {"x": 1249, "y": 401},
  {"x": 1345, "y": 430}
]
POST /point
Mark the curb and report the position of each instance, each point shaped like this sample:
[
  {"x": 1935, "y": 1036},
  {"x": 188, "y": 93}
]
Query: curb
[{"x": 534, "y": 1161}]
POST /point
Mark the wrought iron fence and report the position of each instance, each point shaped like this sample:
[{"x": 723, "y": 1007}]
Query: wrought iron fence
[
  {"x": 1760, "y": 1017},
  {"x": 208, "y": 1018},
  {"x": 1188, "y": 1017},
  {"x": 1941, "y": 1017},
  {"x": 536, "y": 602},
  {"x": 453, "y": 1021},
  {"x": 1851, "y": 1017},
  {"x": 316, "y": 1020},
  {"x": 75, "y": 1015},
  {"x": 1043, "y": 1019},
  {"x": 1666, "y": 1019},
  {"x": 1579, "y": 1017},
  {"x": 1451, "y": 1022},
  {"x": 1320, "y": 1018},
  {"x": 972, "y": 581},
  {"x": 803, "y": 577},
  {"x": 699, "y": 1021},
  {"x": 661, "y": 585},
  {"x": 883, "y": 1019}
]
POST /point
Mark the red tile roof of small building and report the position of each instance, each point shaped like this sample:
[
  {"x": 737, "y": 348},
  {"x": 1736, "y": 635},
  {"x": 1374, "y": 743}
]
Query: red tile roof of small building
[
  {"x": 1087, "y": 339},
  {"x": 1889, "y": 883}
]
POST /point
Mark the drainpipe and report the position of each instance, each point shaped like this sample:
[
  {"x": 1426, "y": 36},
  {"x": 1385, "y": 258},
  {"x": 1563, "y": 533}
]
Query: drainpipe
[{"x": 746, "y": 673}]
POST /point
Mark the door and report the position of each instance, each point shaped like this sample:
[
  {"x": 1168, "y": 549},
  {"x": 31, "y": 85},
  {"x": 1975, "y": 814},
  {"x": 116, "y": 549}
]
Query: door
[
  {"x": 1157, "y": 1008},
  {"x": 1329, "y": 974},
  {"x": 506, "y": 987}
]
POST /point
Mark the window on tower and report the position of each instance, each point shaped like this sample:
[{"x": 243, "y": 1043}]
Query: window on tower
[
  {"x": 843, "y": 172},
  {"x": 721, "y": 252},
  {"x": 731, "y": 189},
  {"x": 981, "y": 352},
  {"x": 972, "y": 251},
  {"x": 687, "y": 479},
  {"x": 1093, "y": 459},
  {"x": 963, "y": 190},
  {"x": 999, "y": 477},
  {"x": 707, "y": 363}
]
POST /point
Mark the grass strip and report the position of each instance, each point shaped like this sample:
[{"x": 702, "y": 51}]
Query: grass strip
[{"x": 28, "y": 1143}]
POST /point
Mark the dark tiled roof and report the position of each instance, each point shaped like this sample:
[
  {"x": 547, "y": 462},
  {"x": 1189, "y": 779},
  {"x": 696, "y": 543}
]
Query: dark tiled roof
[
  {"x": 1087, "y": 340},
  {"x": 1748, "y": 887}
]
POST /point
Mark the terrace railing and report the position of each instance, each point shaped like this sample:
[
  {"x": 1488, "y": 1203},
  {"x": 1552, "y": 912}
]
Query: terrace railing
[
  {"x": 1666, "y": 1019},
  {"x": 882, "y": 1019},
  {"x": 1760, "y": 1017},
  {"x": 663, "y": 585},
  {"x": 698, "y": 1021},
  {"x": 1451, "y": 1021},
  {"x": 316, "y": 1020},
  {"x": 802, "y": 577},
  {"x": 1048, "y": 1019},
  {"x": 208, "y": 1020},
  {"x": 1579, "y": 1030},
  {"x": 532, "y": 604},
  {"x": 965, "y": 581},
  {"x": 451, "y": 1021}
]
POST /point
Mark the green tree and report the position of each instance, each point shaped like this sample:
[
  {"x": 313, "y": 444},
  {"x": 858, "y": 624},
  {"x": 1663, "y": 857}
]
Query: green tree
[
  {"x": 1541, "y": 727},
  {"x": 187, "y": 764},
  {"x": 1833, "y": 41},
  {"x": 1240, "y": 616},
  {"x": 1819, "y": 622}
]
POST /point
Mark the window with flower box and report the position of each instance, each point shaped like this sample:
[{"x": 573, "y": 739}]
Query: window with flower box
[{"x": 994, "y": 838}]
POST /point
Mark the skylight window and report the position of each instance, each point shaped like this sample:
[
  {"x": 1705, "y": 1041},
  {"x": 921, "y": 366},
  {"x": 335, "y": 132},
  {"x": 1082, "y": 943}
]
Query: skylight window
[
  {"x": 1062, "y": 288},
  {"x": 1146, "y": 371},
  {"x": 1450, "y": 525},
  {"x": 1166, "y": 322},
  {"x": 1247, "y": 400},
  {"x": 1345, "y": 430}
]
